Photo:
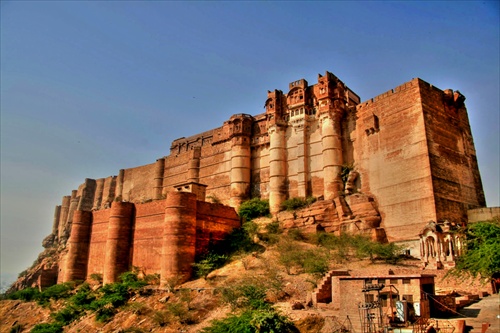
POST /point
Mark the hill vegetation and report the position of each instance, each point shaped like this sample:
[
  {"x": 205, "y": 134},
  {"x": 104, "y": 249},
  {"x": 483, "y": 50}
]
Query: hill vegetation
[{"x": 248, "y": 283}]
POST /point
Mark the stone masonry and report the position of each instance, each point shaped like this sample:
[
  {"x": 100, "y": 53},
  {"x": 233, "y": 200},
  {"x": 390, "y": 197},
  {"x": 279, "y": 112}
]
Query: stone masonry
[{"x": 386, "y": 166}]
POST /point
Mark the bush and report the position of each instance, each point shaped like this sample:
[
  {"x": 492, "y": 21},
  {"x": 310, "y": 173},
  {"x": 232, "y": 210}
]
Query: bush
[
  {"x": 210, "y": 262},
  {"x": 253, "y": 208},
  {"x": 248, "y": 294},
  {"x": 47, "y": 328},
  {"x": 296, "y": 203},
  {"x": 67, "y": 315},
  {"x": 57, "y": 291},
  {"x": 251, "y": 321},
  {"x": 83, "y": 297},
  {"x": 131, "y": 280},
  {"x": 27, "y": 294}
]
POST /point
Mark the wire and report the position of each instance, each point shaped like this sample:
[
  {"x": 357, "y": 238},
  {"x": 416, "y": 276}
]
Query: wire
[{"x": 431, "y": 296}]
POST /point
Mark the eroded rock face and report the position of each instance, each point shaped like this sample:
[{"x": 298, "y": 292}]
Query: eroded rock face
[{"x": 355, "y": 214}]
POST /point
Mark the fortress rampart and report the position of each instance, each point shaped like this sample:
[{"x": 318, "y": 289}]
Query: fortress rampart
[
  {"x": 387, "y": 166},
  {"x": 159, "y": 237}
]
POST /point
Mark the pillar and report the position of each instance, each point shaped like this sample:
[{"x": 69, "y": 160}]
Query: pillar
[
  {"x": 119, "y": 184},
  {"x": 302, "y": 161},
  {"x": 332, "y": 154},
  {"x": 277, "y": 168},
  {"x": 55, "y": 224},
  {"x": 179, "y": 236},
  {"x": 240, "y": 171},
  {"x": 78, "y": 247},
  {"x": 159, "y": 169},
  {"x": 194, "y": 165},
  {"x": 98, "y": 194},
  {"x": 117, "y": 255},
  {"x": 63, "y": 217},
  {"x": 86, "y": 200}
]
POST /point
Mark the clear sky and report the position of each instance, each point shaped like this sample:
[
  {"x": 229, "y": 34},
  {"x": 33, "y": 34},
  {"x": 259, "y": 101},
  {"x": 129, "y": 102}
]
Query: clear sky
[{"x": 88, "y": 88}]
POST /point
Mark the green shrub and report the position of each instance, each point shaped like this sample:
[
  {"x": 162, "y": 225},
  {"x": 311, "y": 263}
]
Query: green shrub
[
  {"x": 249, "y": 293},
  {"x": 253, "y": 208},
  {"x": 131, "y": 280},
  {"x": 296, "y": 203},
  {"x": 83, "y": 297},
  {"x": 57, "y": 291},
  {"x": 314, "y": 262},
  {"x": 27, "y": 294},
  {"x": 47, "y": 328},
  {"x": 67, "y": 315},
  {"x": 251, "y": 321},
  {"x": 210, "y": 262}
]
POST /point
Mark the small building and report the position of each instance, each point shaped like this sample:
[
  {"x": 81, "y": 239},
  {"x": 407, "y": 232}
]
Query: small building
[{"x": 377, "y": 300}]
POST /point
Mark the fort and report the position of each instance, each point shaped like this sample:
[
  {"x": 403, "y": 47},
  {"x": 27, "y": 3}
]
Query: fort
[{"x": 388, "y": 167}]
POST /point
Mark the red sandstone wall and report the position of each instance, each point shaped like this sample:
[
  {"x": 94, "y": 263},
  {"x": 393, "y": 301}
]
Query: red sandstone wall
[
  {"x": 455, "y": 174},
  {"x": 215, "y": 170},
  {"x": 98, "y": 236},
  {"x": 392, "y": 157},
  {"x": 138, "y": 183},
  {"x": 213, "y": 223},
  {"x": 147, "y": 237}
]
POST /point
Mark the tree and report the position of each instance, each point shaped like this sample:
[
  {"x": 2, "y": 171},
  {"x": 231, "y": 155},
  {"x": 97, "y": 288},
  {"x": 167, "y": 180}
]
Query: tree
[{"x": 482, "y": 251}]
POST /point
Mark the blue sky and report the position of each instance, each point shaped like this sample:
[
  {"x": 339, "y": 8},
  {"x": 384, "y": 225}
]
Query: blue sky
[{"x": 88, "y": 88}]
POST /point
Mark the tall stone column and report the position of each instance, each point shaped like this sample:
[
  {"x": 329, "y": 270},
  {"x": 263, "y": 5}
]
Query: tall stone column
[
  {"x": 179, "y": 237},
  {"x": 240, "y": 170},
  {"x": 98, "y": 194},
  {"x": 277, "y": 167},
  {"x": 63, "y": 217},
  {"x": 78, "y": 247},
  {"x": 332, "y": 154},
  {"x": 159, "y": 169},
  {"x": 117, "y": 255},
  {"x": 194, "y": 165},
  {"x": 55, "y": 224},
  {"x": 119, "y": 184},
  {"x": 302, "y": 160}
]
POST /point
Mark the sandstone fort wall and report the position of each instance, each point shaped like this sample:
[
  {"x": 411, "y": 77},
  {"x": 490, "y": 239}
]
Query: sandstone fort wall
[{"x": 386, "y": 167}]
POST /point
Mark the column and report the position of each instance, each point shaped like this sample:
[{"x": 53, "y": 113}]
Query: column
[
  {"x": 159, "y": 169},
  {"x": 332, "y": 154},
  {"x": 78, "y": 247},
  {"x": 116, "y": 260},
  {"x": 179, "y": 237},
  {"x": 240, "y": 171},
  {"x": 277, "y": 168},
  {"x": 302, "y": 161}
]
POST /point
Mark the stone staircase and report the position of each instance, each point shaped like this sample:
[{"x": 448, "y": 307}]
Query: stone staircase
[{"x": 323, "y": 292}]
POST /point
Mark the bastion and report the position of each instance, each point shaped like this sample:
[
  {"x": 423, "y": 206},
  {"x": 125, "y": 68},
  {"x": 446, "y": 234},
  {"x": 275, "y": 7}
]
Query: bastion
[{"x": 386, "y": 167}]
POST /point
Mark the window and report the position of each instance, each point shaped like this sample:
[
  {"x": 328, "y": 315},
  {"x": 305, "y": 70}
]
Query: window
[
  {"x": 384, "y": 300},
  {"x": 381, "y": 281},
  {"x": 406, "y": 281},
  {"x": 393, "y": 281},
  {"x": 369, "y": 298}
]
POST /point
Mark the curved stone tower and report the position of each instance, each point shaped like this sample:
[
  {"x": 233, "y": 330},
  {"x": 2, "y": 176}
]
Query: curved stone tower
[
  {"x": 117, "y": 256},
  {"x": 179, "y": 236},
  {"x": 78, "y": 247},
  {"x": 240, "y": 158}
]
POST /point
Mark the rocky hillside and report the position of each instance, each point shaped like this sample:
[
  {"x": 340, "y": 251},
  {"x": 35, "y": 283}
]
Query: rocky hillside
[{"x": 271, "y": 285}]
